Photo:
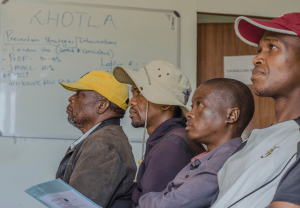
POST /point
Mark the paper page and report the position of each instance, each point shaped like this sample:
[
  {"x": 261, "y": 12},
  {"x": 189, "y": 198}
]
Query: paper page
[
  {"x": 58, "y": 194},
  {"x": 67, "y": 199}
]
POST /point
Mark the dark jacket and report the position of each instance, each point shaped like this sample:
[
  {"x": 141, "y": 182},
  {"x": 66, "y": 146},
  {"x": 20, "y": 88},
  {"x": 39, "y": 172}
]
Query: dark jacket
[
  {"x": 102, "y": 166},
  {"x": 166, "y": 154}
]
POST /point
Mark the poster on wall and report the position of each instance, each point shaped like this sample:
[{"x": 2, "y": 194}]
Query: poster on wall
[{"x": 239, "y": 68}]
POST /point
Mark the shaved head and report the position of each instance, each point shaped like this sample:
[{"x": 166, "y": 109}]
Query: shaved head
[{"x": 233, "y": 93}]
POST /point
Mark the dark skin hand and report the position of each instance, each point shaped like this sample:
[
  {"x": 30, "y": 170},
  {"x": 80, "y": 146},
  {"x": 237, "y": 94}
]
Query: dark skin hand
[
  {"x": 157, "y": 114},
  {"x": 85, "y": 110},
  {"x": 280, "y": 204},
  {"x": 211, "y": 121},
  {"x": 277, "y": 73}
]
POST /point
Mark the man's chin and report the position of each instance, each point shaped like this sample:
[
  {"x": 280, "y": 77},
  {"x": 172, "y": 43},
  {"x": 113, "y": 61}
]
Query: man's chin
[
  {"x": 191, "y": 135},
  {"x": 261, "y": 91},
  {"x": 71, "y": 121},
  {"x": 137, "y": 124},
  {"x": 260, "y": 88}
]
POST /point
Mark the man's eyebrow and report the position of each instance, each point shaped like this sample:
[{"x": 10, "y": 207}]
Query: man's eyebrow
[
  {"x": 199, "y": 97},
  {"x": 271, "y": 39},
  {"x": 134, "y": 89}
]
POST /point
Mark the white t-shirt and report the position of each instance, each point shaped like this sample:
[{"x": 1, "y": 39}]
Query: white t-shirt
[{"x": 250, "y": 177}]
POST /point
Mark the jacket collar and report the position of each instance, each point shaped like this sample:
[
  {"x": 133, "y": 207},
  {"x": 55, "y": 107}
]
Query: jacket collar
[
  {"x": 165, "y": 127},
  {"x": 225, "y": 147},
  {"x": 70, "y": 150},
  {"x": 108, "y": 122}
]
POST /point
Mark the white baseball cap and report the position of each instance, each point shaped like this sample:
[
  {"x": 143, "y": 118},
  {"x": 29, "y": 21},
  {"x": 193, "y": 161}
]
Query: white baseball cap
[{"x": 159, "y": 82}]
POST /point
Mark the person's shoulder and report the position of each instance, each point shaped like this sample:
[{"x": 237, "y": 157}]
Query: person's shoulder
[
  {"x": 172, "y": 139},
  {"x": 112, "y": 139},
  {"x": 229, "y": 147},
  {"x": 288, "y": 190},
  {"x": 171, "y": 145},
  {"x": 107, "y": 133},
  {"x": 113, "y": 129},
  {"x": 105, "y": 136}
]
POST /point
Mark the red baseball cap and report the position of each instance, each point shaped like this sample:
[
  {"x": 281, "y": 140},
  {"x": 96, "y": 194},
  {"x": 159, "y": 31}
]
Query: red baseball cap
[{"x": 251, "y": 30}]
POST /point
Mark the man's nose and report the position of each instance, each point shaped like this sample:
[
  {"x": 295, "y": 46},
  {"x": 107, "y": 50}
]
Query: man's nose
[
  {"x": 132, "y": 102},
  {"x": 259, "y": 59},
  {"x": 71, "y": 99},
  {"x": 190, "y": 115}
]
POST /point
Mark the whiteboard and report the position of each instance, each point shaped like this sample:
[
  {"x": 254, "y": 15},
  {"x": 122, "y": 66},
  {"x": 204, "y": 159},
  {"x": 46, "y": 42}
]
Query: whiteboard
[{"x": 45, "y": 43}]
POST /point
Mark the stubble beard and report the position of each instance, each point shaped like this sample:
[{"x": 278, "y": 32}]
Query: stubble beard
[
  {"x": 139, "y": 123},
  {"x": 262, "y": 89},
  {"x": 263, "y": 93},
  {"x": 78, "y": 124}
]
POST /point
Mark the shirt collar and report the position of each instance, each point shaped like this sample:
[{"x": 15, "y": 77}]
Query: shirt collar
[
  {"x": 84, "y": 136},
  {"x": 198, "y": 156},
  {"x": 225, "y": 147}
]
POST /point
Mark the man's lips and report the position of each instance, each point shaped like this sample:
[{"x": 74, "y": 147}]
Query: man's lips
[
  {"x": 69, "y": 110},
  {"x": 256, "y": 72},
  {"x": 132, "y": 113},
  {"x": 189, "y": 126}
]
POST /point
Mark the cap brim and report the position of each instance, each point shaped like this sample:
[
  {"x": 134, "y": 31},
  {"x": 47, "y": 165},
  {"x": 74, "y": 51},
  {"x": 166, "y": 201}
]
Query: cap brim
[
  {"x": 251, "y": 30},
  {"x": 74, "y": 86},
  {"x": 123, "y": 75},
  {"x": 152, "y": 94}
]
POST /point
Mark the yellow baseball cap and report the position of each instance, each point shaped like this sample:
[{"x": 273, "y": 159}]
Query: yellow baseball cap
[{"x": 105, "y": 84}]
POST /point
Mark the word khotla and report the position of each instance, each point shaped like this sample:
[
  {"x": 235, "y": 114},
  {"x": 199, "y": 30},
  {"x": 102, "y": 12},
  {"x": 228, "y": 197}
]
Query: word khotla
[{"x": 66, "y": 19}]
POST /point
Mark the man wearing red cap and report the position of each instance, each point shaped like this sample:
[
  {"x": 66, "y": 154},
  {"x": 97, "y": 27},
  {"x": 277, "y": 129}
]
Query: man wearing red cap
[{"x": 265, "y": 169}]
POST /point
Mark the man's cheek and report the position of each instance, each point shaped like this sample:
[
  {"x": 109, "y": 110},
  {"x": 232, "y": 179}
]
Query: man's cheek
[{"x": 193, "y": 133}]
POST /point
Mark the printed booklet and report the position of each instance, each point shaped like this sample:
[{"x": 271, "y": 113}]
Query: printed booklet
[{"x": 58, "y": 194}]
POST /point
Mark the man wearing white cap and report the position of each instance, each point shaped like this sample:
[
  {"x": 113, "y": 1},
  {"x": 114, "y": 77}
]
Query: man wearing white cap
[
  {"x": 160, "y": 93},
  {"x": 251, "y": 176}
]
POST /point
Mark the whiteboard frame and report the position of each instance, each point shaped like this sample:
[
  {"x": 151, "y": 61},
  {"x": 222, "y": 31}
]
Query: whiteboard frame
[{"x": 2, "y": 7}]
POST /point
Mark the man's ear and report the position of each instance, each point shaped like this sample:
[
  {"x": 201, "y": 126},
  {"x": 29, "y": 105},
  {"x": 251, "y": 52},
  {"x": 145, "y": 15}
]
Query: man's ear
[
  {"x": 102, "y": 106},
  {"x": 165, "y": 107},
  {"x": 233, "y": 115}
]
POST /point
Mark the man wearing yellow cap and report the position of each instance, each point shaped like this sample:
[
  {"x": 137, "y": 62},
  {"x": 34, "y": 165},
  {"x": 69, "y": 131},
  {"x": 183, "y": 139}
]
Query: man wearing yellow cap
[{"x": 100, "y": 164}]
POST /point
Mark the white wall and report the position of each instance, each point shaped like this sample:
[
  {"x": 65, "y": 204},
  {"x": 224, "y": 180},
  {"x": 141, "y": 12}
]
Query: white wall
[{"x": 26, "y": 162}]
